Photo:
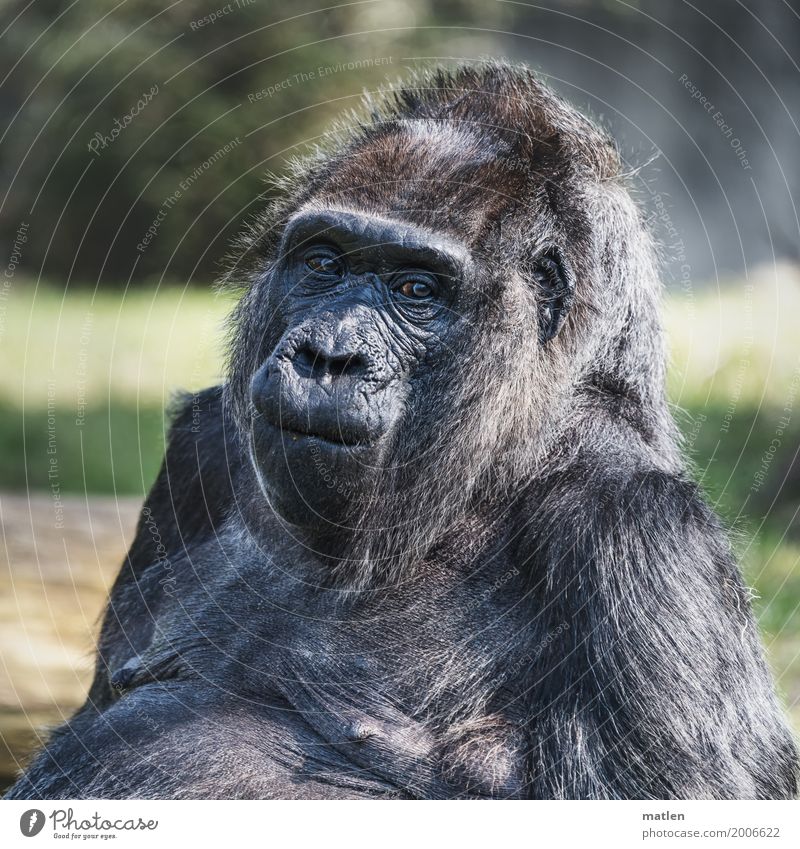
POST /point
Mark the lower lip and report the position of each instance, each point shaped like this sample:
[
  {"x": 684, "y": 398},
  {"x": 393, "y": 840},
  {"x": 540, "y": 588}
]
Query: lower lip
[{"x": 294, "y": 436}]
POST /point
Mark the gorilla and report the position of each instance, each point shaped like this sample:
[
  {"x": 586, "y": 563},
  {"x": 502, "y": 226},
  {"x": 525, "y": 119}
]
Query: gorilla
[{"x": 434, "y": 536}]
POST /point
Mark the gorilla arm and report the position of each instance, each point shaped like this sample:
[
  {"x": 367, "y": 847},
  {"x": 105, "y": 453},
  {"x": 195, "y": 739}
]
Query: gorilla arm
[
  {"x": 659, "y": 688},
  {"x": 191, "y": 496}
]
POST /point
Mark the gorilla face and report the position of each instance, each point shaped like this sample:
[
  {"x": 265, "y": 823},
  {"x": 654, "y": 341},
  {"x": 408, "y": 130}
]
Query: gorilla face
[
  {"x": 375, "y": 315},
  {"x": 368, "y": 306}
]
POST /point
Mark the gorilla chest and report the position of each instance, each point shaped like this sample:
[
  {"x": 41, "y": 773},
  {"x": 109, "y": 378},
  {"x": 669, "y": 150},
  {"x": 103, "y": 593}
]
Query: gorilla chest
[{"x": 405, "y": 686}]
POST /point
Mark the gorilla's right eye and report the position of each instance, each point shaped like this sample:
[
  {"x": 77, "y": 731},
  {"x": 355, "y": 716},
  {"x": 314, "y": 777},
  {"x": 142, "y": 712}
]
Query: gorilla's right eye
[{"x": 323, "y": 261}]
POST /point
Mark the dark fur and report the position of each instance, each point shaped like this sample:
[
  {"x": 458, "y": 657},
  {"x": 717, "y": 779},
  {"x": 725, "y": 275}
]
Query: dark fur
[{"x": 534, "y": 600}]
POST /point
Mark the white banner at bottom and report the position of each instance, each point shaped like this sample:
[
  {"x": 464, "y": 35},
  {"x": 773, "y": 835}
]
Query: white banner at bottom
[{"x": 376, "y": 824}]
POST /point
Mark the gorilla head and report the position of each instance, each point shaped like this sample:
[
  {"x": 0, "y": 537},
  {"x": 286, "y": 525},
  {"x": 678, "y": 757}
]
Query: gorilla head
[{"x": 425, "y": 297}]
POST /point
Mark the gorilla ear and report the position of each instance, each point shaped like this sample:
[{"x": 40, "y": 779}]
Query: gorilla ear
[{"x": 555, "y": 290}]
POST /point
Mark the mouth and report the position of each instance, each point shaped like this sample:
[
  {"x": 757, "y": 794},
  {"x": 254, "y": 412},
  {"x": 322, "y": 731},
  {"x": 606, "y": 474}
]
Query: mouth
[{"x": 310, "y": 438}]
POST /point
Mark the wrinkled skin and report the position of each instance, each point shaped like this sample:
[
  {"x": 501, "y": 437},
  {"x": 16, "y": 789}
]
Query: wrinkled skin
[
  {"x": 336, "y": 384},
  {"x": 434, "y": 537}
]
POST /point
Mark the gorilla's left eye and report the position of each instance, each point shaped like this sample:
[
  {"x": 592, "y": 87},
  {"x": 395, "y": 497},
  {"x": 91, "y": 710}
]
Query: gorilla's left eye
[{"x": 416, "y": 286}]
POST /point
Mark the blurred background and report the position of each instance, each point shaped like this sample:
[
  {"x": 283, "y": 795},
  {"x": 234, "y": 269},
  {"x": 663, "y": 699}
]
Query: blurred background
[{"x": 134, "y": 141}]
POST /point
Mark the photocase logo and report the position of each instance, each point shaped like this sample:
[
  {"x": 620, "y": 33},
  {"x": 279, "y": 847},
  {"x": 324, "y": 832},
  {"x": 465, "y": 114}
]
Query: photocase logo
[{"x": 31, "y": 822}]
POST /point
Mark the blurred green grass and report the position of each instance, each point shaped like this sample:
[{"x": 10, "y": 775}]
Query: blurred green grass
[{"x": 86, "y": 379}]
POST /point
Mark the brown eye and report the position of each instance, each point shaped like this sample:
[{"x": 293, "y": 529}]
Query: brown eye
[
  {"x": 324, "y": 263},
  {"x": 417, "y": 288}
]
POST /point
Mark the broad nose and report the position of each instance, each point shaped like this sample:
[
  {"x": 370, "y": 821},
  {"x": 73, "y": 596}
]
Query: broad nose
[{"x": 327, "y": 360}]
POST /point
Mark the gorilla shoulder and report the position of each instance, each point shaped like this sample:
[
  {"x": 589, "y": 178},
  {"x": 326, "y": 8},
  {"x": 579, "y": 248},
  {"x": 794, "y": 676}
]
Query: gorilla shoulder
[{"x": 194, "y": 488}]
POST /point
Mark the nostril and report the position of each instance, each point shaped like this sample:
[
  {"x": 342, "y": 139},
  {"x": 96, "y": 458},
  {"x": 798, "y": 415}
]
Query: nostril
[
  {"x": 307, "y": 361},
  {"x": 347, "y": 364}
]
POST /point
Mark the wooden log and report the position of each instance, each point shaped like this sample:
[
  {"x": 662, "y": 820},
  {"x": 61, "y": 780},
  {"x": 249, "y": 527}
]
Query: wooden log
[{"x": 58, "y": 558}]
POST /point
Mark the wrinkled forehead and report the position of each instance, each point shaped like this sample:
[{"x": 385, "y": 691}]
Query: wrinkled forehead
[
  {"x": 381, "y": 237},
  {"x": 446, "y": 176}
]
